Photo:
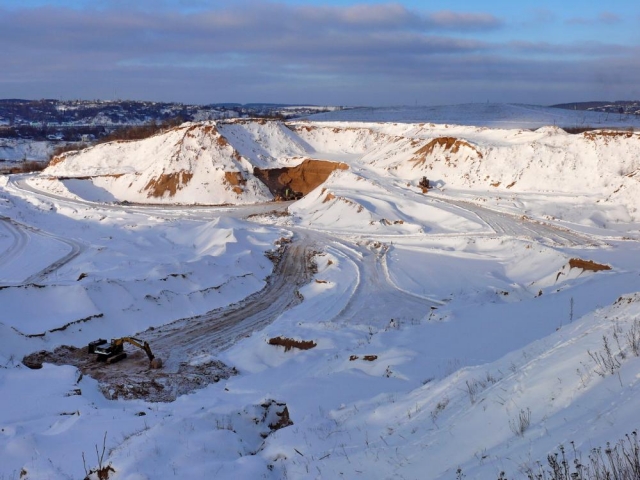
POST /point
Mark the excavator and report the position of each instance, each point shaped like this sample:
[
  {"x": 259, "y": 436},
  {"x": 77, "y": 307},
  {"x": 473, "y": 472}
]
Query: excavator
[{"x": 114, "y": 351}]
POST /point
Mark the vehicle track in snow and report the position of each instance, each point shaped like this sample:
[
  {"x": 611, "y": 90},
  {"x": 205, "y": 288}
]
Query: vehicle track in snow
[
  {"x": 18, "y": 244},
  {"x": 521, "y": 226},
  {"x": 21, "y": 234},
  {"x": 375, "y": 292}
]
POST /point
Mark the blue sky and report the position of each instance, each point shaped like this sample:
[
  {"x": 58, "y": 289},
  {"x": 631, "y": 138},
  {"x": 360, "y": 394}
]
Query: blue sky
[{"x": 330, "y": 52}]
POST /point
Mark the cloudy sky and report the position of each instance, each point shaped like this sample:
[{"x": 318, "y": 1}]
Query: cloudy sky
[{"x": 321, "y": 52}]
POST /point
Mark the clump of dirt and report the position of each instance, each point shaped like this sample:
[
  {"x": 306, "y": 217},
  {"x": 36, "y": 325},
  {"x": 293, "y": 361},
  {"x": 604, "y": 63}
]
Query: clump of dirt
[
  {"x": 511, "y": 184},
  {"x": 169, "y": 182},
  {"x": 289, "y": 343},
  {"x": 276, "y": 415},
  {"x": 448, "y": 144},
  {"x": 587, "y": 265},
  {"x": 302, "y": 178},
  {"x": 366, "y": 358}
]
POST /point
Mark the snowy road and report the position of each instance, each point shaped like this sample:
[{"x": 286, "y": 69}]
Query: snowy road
[
  {"x": 19, "y": 240},
  {"x": 519, "y": 226},
  {"x": 26, "y": 242}
]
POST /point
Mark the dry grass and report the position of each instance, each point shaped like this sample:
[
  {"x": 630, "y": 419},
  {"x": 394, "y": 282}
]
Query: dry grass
[{"x": 289, "y": 343}]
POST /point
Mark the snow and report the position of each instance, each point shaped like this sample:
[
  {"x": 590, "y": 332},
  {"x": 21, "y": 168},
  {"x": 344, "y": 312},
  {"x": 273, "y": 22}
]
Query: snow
[
  {"x": 14, "y": 150},
  {"x": 437, "y": 319}
]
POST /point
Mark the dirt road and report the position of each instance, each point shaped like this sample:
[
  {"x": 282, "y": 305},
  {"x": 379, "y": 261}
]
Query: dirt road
[{"x": 188, "y": 346}]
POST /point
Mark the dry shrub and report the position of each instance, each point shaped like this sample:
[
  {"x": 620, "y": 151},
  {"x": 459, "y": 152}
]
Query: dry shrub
[
  {"x": 289, "y": 343},
  {"x": 587, "y": 265}
]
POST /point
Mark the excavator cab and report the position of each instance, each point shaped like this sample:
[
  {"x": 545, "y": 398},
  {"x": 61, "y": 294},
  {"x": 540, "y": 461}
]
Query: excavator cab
[{"x": 114, "y": 351}]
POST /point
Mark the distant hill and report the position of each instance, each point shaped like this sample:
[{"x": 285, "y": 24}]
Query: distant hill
[
  {"x": 625, "y": 107},
  {"x": 495, "y": 115}
]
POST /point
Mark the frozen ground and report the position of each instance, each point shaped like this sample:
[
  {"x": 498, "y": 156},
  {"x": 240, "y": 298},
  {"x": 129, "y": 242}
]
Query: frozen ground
[{"x": 438, "y": 321}]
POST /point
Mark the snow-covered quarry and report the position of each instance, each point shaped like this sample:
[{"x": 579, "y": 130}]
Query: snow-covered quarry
[{"x": 371, "y": 329}]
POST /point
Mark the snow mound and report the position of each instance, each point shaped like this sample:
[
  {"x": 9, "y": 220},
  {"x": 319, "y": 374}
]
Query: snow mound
[
  {"x": 349, "y": 202},
  {"x": 189, "y": 164}
]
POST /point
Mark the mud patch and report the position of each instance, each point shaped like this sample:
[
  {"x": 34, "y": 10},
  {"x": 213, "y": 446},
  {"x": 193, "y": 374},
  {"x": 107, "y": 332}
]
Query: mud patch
[
  {"x": 168, "y": 183},
  {"x": 302, "y": 178},
  {"x": 133, "y": 377}
]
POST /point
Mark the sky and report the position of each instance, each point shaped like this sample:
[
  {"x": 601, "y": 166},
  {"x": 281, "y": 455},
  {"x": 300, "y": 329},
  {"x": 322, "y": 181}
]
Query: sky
[{"x": 321, "y": 52}]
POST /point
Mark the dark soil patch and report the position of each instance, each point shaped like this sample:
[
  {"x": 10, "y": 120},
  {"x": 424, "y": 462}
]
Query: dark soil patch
[
  {"x": 289, "y": 343},
  {"x": 587, "y": 265},
  {"x": 133, "y": 377}
]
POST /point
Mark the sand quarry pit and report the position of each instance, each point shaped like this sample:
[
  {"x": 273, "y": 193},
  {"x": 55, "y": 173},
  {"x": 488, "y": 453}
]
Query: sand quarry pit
[{"x": 302, "y": 178}]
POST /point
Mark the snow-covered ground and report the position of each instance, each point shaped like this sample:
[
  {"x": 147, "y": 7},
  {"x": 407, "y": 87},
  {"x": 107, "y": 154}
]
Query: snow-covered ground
[
  {"x": 459, "y": 333},
  {"x": 15, "y": 150}
]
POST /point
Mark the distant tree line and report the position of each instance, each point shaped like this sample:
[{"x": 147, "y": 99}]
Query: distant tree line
[{"x": 138, "y": 132}]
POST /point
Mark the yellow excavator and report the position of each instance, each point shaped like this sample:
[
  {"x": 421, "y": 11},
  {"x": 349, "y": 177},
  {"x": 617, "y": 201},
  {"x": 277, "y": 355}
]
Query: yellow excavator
[{"x": 114, "y": 351}]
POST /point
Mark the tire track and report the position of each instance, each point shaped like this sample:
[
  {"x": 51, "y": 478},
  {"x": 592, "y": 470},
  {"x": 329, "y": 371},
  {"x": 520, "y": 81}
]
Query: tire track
[
  {"x": 520, "y": 226},
  {"x": 19, "y": 244}
]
